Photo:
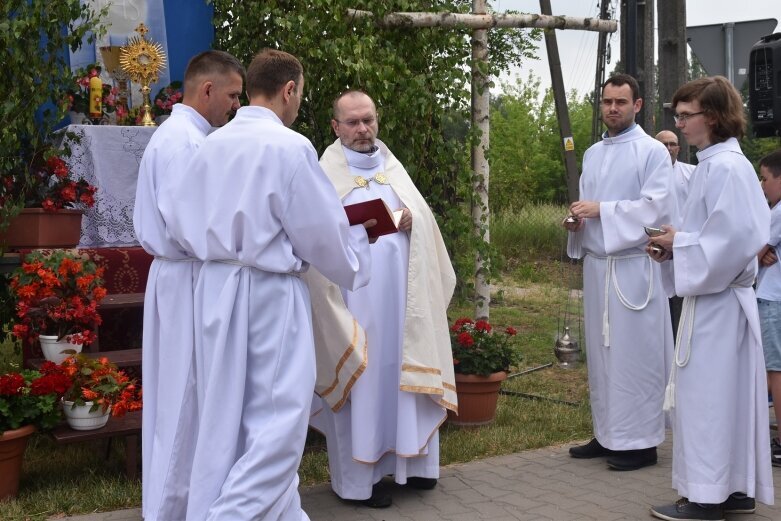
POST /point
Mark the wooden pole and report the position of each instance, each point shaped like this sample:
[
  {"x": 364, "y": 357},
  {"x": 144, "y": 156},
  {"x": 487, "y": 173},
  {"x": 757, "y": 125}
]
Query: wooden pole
[
  {"x": 562, "y": 113},
  {"x": 487, "y": 21},
  {"x": 599, "y": 77},
  {"x": 646, "y": 75},
  {"x": 480, "y": 124},
  {"x": 672, "y": 63}
]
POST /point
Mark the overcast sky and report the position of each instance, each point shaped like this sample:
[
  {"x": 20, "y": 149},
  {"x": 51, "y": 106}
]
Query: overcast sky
[{"x": 577, "y": 49}]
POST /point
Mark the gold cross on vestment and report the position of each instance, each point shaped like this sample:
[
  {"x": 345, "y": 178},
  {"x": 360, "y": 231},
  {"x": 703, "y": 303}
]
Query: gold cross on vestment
[{"x": 363, "y": 182}]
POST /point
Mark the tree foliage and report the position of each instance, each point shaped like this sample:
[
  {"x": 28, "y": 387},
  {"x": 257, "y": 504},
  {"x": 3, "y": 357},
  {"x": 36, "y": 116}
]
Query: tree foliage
[
  {"x": 34, "y": 38},
  {"x": 419, "y": 79},
  {"x": 527, "y": 163}
]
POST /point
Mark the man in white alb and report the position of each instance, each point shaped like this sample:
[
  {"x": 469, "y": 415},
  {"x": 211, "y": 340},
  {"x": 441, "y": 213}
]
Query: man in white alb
[
  {"x": 626, "y": 185},
  {"x": 681, "y": 174},
  {"x": 256, "y": 208},
  {"x": 213, "y": 83},
  {"x": 389, "y": 424}
]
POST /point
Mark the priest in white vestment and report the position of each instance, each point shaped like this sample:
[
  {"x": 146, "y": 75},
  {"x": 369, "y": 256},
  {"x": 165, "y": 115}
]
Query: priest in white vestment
[
  {"x": 256, "y": 209},
  {"x": 213, "y": 83},
  {"x": 717, "y": 393},
  {"x": 626, "y": 184},
  {"x": 390, "y": 420}
]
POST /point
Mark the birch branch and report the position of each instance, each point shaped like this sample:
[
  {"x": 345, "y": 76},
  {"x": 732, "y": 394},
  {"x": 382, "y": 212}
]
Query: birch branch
[{"x": 487, "y": 21}]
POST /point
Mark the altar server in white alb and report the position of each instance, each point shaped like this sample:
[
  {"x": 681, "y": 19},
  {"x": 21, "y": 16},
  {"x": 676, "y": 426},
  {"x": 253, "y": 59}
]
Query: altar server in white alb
[
  {"x": 717, "y": 392},
  {"x": 213, "y": 83},
  {"x": 389, "y": 423},
  {"x": 625, "y": 185},
  {"x": 256, "y": 208}
]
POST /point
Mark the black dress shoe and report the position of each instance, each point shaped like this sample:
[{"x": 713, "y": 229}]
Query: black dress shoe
[
  {"x": 684, "y": 510},
  {"x": 592, "y": 449},
  {"x": 739, "y": 503},
  {"x": 380, "y": 498},
  {"x": 632, "y": 459},
  {"x": 422, "y": 483}
]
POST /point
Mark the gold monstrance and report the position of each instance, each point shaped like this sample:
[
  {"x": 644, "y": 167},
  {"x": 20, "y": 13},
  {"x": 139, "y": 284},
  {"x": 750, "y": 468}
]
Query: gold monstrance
[{"x": 142, "y": 59}]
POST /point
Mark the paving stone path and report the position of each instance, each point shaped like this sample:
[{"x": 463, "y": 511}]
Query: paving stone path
[{"x": 536, "y": 485}]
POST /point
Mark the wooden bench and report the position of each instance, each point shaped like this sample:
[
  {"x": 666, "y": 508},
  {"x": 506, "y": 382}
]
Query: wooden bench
[
  {"x": 128, "y": 426},
  {"x": 123, "y": 358}
]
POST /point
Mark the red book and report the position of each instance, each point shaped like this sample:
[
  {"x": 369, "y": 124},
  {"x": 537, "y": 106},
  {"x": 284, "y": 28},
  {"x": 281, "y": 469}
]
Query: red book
[{"x": 387, "y": 220}]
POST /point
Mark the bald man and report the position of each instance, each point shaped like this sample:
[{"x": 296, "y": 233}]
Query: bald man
[{"x": 682, "y": 173}]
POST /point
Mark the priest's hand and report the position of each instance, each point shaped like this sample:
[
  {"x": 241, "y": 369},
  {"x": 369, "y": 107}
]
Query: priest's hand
[
  {"x": 368, "y": 224},
  {"x": 405, "y": 223},
  {"x": 584, "y": 209}
]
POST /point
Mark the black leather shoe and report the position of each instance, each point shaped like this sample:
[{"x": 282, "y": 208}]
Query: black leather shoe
[
  {"x": 684, "y": 510},
  {"x": 380, "y": 498},
  {"x": 632, "y": 459},
  {"x": 739, "y": 503},
  {"x": 592, "y": 449},
  {"x": 422, "y": 483}
]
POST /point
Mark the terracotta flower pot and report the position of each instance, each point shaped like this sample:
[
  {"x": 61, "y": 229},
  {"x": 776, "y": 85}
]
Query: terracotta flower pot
[
  {"x": 12, "y": 445},
  {"x": 36, "y": 228},
  {"x": 477, "y": 397}
]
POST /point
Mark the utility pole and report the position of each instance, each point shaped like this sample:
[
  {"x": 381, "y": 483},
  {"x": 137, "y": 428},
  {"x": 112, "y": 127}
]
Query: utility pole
[
  {"x": 672, "y": 62},
  {"x": 646, "y": 75},
  {"x": 629, "y": 37},
  {"x": 599, "y": 77},
  {"x": 562, "y": 112}
]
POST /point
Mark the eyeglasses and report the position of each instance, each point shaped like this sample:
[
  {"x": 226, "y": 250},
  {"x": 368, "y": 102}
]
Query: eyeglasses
[
  {"x": 352, "y": 123},
  {"x": 670, "y": 144},
  {"x": 683, "y": 118}
]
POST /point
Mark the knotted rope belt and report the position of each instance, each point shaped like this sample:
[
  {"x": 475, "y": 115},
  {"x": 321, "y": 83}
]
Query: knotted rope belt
[{"x": 610, "y": 275}]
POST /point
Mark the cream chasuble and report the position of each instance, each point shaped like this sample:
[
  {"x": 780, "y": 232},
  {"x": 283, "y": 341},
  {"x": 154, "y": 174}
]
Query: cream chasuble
[{"x": 389, "y": 424}]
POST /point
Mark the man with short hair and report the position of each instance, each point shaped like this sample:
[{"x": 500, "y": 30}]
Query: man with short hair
[
  {"x": 256, "y": 209},
  {"x": 682, "y": 171},
  {"x": 681, "y": 174},
  {"x": 390, "y": 423},
  {"x": 626, "y": 185},
  {"x": 213, "y": 82}
]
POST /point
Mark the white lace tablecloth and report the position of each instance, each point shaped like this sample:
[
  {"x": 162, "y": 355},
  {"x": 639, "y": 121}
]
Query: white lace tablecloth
[{"x": 107, "y": 156}]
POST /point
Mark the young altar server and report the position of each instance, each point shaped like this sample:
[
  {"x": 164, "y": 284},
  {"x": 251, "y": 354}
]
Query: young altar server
[
  {"x": 717, "y": 392},
  {"x": 256, "y": 208},
  {"x": 769, "y": 289},
  {"x": 213, "y": 83},
  {"x": 626, "y": 185}
]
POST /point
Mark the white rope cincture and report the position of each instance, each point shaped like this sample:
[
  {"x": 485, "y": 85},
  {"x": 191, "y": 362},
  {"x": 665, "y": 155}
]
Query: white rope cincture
[
  {"x": 686, "y": 323},
  {"x": 610, "y": 274}
]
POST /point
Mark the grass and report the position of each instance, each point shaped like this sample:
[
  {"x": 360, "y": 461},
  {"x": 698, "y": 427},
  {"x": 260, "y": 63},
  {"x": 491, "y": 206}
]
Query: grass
[{"x": 531, "y": 297}]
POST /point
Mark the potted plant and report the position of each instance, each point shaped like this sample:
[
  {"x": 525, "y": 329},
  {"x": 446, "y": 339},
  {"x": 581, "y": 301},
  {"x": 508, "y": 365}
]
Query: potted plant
[
  {"x": 481, "y": 357},
  {"x": 29, "y": 400},
  {"x": 165, "y": 100},
  {"x": 57, "y": 294},
  {"x": 53, "y": 203},
  {"x": 35, "y": 74},
  {"x": 97, "y": 388}
]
